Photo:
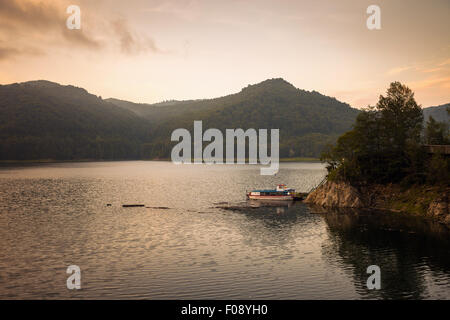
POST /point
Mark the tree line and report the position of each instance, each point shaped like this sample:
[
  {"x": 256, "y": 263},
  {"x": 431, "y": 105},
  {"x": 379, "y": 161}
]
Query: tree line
[{"x": 386, "y": 144}]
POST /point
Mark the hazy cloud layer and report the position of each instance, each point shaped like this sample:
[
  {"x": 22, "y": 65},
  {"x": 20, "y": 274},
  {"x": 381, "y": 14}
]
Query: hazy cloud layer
[
  {"x": 154, "y": 50},
  {"x": 6, "y": 53},
  {"x": 131, "y": 43},
  {"x": 432, "y": 73},
  {"x": 31, "y": 14},
  {"x": 42, "y": 24},
  {"x": 12, "y": 53}
]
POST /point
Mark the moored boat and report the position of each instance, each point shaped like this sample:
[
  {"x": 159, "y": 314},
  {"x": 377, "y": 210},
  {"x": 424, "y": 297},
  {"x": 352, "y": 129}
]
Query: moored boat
[{"x": 280, "y": 193}]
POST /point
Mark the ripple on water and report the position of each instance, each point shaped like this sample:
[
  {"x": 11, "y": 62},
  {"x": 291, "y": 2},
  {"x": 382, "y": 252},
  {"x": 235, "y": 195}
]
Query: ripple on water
[{"x": 182, "y": 245}]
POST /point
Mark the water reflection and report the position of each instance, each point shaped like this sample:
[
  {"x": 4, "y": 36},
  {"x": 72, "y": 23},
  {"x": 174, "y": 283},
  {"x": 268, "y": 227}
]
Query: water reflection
[
  {"x": 413, "y": 253},
  {"x": 408, "y": 250},
  {"x": 273, "y": 219},
  {"x": 281, "y": 204},
  {"x": 208, "y": 244}
]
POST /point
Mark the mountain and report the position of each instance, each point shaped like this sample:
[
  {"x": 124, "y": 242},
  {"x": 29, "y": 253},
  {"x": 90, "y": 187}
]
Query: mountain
[
  {"x": 155, "y": 113},
  {"x": 42, "y": 120},
  {"x": 45, "y": 120},
  {"x": 307, "y": 120},
  {"x": 439, "y": 113}
]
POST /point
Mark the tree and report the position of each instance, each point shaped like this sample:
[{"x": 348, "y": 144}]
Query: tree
[
  {"x": 401, "y": 116},
  {"x": 384, "y": 142},
  {"x": 436, "y": 132}
]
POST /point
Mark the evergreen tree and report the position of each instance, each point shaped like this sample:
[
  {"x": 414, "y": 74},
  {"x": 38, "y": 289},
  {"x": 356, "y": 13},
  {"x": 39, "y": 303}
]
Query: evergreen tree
[
  {"x": 384, "y": 143},
  {"x": 436, "y": 132}
]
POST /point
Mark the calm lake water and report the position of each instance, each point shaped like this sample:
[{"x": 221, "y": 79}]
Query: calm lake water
[{"x": 185, "y": 245}]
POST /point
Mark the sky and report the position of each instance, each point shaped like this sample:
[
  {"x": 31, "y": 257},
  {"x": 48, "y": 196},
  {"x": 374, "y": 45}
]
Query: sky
[{"x": 154, "y": 50}]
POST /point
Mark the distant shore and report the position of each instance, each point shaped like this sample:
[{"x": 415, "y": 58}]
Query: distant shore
[
  {"x": 300, "y": 159},
  {"x": 37, "y": 161}
]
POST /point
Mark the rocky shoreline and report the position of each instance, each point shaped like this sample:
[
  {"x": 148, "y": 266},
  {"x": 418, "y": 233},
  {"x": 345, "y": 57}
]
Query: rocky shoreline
[{"x": 430, "y": 202}]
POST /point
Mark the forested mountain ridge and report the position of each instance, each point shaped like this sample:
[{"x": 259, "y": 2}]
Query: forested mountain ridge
[
  {"x": 157, "y": 112},
  {"x": 307, "y": 120},
  {"x": 439, "y": 113},
  {"x": 274, "y": 90},
  {"x": 45, "y": 120}
]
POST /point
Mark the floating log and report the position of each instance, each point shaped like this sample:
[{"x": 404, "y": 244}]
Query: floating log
[{"x": 133, "y": 205}]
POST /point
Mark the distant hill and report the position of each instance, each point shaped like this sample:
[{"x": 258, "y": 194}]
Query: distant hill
[
  {"x": 157, "y": 112},
  {"x": 307, "y": 120},
  {"x": 45, "y": 120},
  {"x": 439, "y": 113}
]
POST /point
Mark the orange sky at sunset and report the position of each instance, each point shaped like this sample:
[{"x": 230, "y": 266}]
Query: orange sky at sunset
[{"x": 149, "y": 51}]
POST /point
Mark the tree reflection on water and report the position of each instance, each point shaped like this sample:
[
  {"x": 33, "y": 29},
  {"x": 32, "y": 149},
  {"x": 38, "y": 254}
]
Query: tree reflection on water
[{"x": 407, "y": 249}]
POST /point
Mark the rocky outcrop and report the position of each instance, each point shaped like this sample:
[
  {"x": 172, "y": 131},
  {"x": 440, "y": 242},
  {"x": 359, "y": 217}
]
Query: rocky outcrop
[
  {"x": 432, "y": 202},
  {"x": 447, "y": 220},
  {"x": 438, "y": 208},
  {"x": 332, "y": 194}
]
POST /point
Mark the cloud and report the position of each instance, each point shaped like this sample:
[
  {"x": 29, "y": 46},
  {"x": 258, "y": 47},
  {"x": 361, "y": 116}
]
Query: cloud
[
  {"x": 431, "y": 70},
  {"x": 439, "y": 81},
  {"x": 398, "y": 70},
  {"x": 40, "y": 26},
  {"x": 425, "y": 67},
  {"x": 131, "y": 43},
  {"x": 31, "y": 21},
  {"x": 186, "y": 10},
  {"x": 427, "y": 74},
  {"x": 36, "y": 15},
  {"x": 7, "y": 53},
  {"x": 80, "y": 38},
  {"x": 444, "y": 63}
]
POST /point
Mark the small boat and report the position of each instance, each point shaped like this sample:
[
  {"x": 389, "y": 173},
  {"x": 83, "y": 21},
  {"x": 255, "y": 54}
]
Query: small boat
[{"x": 280, "y": 193}]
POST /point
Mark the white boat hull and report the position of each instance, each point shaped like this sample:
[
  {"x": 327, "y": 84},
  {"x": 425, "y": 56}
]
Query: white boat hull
[{"x": 284, "y": 198}]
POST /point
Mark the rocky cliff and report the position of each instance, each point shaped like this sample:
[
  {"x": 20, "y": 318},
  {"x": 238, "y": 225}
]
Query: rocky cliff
[
  {"x": 432, "y": 202},
  {"x": 339, "y": 195}
]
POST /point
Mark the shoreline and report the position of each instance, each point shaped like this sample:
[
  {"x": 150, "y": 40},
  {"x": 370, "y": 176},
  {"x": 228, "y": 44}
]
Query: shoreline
[
  {"x": 38, "y": 161},
  {"x": 431, "y": 202}
]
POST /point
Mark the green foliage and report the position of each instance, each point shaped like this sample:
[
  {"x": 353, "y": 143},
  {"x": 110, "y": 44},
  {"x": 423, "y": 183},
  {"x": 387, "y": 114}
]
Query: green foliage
[
  {"x": 401, "y": 116},
  {"x": 439, "y": 113},
  {"x": 436, "y": 132},
  {"x": 308, "y": 121},
  {"x": 414, "y": 199},
  {"x": 43, "y": 120},
  {"x": 384, "y": 145},
  {"x": 438, "y": 170}
]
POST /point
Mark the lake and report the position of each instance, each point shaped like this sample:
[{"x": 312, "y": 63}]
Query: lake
[{"x": 198, "y": 238}]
